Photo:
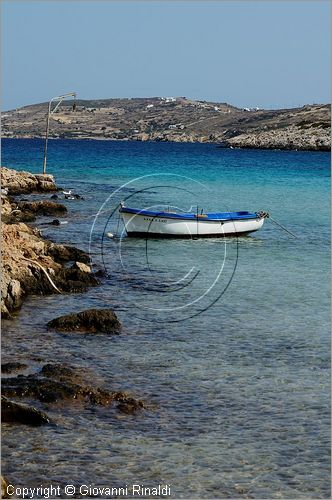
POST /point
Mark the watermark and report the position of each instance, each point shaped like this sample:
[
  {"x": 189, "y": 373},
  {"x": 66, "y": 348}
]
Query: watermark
[
  {"x": 89, "y": 491},
  {"x": 164, "y": 279}
]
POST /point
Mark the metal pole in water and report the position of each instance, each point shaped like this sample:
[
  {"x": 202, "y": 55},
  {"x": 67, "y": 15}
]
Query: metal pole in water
[
  {"x": 46, "y": 140},
  {"x": 49, "y": 113}
]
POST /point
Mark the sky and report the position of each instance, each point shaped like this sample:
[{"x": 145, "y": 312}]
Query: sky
[{"x": 270, "y": 54}]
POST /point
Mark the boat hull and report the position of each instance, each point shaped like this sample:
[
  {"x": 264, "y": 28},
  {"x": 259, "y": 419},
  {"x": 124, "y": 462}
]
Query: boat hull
[{"x": 138, "y": 225}]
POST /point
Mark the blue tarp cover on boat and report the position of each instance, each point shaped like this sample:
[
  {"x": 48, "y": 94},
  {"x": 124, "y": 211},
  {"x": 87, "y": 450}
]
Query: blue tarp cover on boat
[{"x": 204, "y": 216}]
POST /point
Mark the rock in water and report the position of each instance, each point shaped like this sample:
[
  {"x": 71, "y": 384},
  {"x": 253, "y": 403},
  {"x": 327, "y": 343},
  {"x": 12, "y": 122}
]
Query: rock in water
[
  {"x": 24, "y": 256},
  {"x": 15, "y": 292},
  {"x": 62, "y": 372},
  {"x": 13, "y": 367},
  {"x": 75, "y": 281},
  {"x": 89, "y": 321},
  {"x": 59, "y": 383},
  {"x": 4, "y": 485},
  {"x": 25, "y": 182},
  {"x": 130, "y": 406},
  {"x": 18, "y": 413},
  {"x": 82, "y": 267},
  {"x": 55, "y": 222},
  {"x": 43, "y": 207},
  {"x": 66, "y": 253}
]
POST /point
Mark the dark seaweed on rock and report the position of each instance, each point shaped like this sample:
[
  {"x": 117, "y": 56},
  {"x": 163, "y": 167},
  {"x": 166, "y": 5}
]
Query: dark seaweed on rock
[
  {"x": 74, "y": 280},
  {"x": 66, "y": 253},
  {"x": 12, "y": 412},
  {"x": 42, "y": 207},
  {"x": 89, "y": 321},
  {"x": 51, "y": 391},
  {"x": 17, "y": 216},
  {"x": 13, "y": 367},
  {"x": 67, "y": 388},
  {"x": 62, "y": 372},
  {"x": 128, "y": 405}
]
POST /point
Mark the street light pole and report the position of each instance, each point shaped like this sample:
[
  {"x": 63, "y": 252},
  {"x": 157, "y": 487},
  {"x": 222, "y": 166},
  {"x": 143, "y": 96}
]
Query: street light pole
[{"x": 49, "y": 113}]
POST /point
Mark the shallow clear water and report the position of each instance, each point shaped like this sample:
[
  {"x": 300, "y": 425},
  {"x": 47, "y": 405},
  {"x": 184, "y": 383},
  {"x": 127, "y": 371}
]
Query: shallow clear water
[{"x": 228, "y": 340}]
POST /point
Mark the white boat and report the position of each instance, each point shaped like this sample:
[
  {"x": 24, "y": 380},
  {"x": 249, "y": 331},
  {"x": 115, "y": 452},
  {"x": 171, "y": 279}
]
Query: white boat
[{"x": 149, "y": 223}]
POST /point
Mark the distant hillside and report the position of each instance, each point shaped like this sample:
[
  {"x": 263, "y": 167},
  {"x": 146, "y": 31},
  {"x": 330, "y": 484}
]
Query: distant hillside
[{"x": 177, "y": 119}]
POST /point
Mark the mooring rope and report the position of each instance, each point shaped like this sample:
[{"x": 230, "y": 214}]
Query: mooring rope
[
  {"x": 46, "y": 273},
  {"x": 283, "y": 227},
  {"x": 266, "y": 215}
]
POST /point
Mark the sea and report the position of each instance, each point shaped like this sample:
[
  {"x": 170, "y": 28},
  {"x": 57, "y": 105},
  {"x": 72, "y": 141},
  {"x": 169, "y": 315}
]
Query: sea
[{"x": 226, "y": 340}]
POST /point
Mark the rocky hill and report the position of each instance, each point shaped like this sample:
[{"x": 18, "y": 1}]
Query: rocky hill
[{"x": 176, "y": 119}]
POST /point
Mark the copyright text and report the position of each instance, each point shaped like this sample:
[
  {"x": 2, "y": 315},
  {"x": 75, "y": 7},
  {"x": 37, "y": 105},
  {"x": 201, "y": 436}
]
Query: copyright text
[{"x": 134, "y": 490}]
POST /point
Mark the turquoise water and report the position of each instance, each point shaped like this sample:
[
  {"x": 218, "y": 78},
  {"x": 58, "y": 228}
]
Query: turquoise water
[{"x": 227, "y": 339}]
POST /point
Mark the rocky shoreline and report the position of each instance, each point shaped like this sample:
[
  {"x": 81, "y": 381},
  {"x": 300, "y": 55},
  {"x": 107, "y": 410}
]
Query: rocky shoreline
[
  {"x": 31, "y": 264},
  {"x": 292, "y": 137}
]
